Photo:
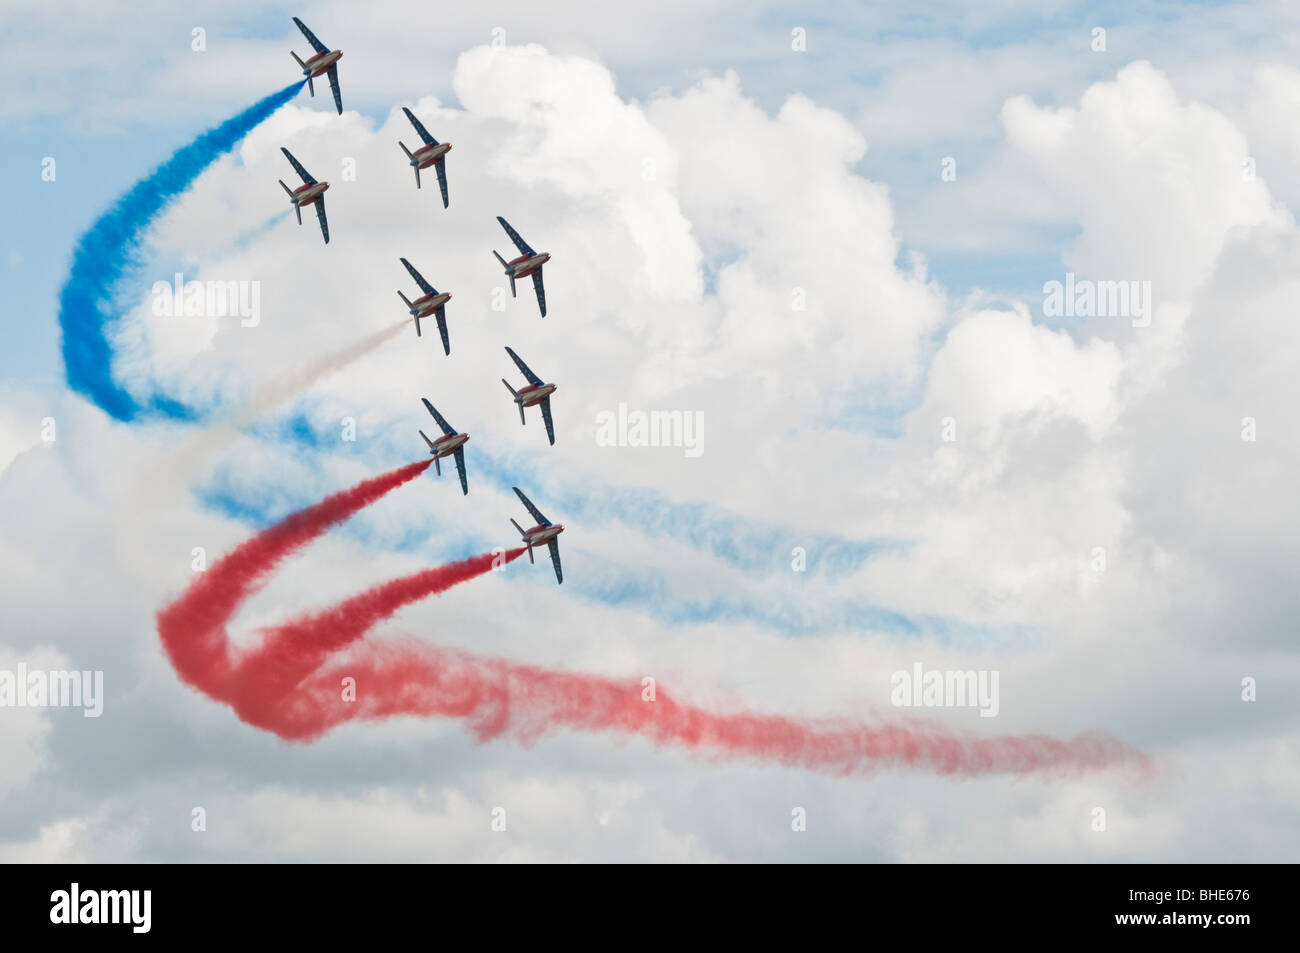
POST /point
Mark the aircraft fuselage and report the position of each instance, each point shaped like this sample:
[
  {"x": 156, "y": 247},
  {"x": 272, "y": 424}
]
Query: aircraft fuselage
[
  {"x": 542, "y": 534},
  {"x": 309, "y": 193},
  {"x": 525, "y": 265},
  {"x": 428, "y": 304},
  {"x": 535, "y": 393},
  {"x": 320, "y": 63},
  {"x": 449, "y": 444},
  {"x": 426, "y": 156}
]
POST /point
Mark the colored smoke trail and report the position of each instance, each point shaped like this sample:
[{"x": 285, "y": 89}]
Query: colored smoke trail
[
  {"x": 106, "y": 252},
  {"x": 295, "y": 650},
  {"x": 291, "y": 685},
  {"x": 193, "y": 627},
  {"x": 503, "y": 699}
]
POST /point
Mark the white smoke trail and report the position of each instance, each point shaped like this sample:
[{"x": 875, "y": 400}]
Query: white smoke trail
[
  {"x": 168, "y": 477},
  {"x": 184, "y": 464}
]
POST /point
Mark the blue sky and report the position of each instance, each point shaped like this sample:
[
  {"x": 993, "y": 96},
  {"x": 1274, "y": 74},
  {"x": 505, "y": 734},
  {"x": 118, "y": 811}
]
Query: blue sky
[{"x": 99, "y": 159}]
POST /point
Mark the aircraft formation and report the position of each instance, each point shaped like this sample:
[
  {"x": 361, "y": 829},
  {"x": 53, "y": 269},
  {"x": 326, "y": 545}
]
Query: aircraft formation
[{"x": 433, "y": 303}]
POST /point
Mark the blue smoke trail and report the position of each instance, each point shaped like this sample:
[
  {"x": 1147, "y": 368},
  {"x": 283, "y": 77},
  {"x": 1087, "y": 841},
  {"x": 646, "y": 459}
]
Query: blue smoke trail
[
  {"x": 108, "y": 250},
  {"x": 776, "y": 606},
  {"x": 743, "y": 542}
]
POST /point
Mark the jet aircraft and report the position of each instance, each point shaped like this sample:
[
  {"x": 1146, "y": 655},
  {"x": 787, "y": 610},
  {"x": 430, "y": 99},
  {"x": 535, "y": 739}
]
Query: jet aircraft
[
  {"x": 431, "y": 302},
  {"x": 528, "y": 263},
  {"x": 544, "y": 532},
  {"x": 310, "y": 192},
  {"x": 449, "y": 444},
  {"x": 536, "y": 392},
  {"x": 432, "y": 153},
  {"x": 324, "y": 60}
]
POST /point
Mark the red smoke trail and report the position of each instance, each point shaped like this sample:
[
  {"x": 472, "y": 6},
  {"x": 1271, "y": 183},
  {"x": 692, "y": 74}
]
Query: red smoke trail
[
  {"x": 499, "y": 698},
  {"x": 294, "y": 684},
  {"x": 193, "y": 628},
  {"x": 295, "y": 650}
]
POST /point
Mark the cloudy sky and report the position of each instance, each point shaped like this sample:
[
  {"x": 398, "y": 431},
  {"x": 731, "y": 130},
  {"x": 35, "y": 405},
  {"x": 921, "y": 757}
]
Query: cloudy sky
[{"x": 829, "y": 234}]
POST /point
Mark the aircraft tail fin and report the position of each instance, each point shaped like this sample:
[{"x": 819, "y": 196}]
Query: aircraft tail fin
[
  {"x": 405, "y": 300},
  {"x": 515, "y": 394},
  {"x": 507, "y": 267},
  {"x": 417, "y": 177},
  {"x": 288, "y": 191},
  {"x": 300, "y": 63},
  {"x": 298, "y": 210},
  {"x": 526, "y": 542},
  {"x": 426, "y": 439},
  {"x": 406, "y": 150}
]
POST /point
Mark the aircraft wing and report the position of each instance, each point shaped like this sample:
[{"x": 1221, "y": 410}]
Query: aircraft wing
[
  {"x": 553, "y": 545},
  {"x": 297, "y": 167},
  {"x": 546, "y": 416},
  {"x": 419, "y": 127},
  {"x": 333, "y": 74},
  {"x": 460, "y": 468},
  {"x": 446, "y": 427},
  {"x": 316, "y": 44},
  {"x": 320, "y": 214},
  {"x": 441, "y": 315},
  {"x": 419, "y": 278},
  {"x": 540, "y": 289},
  {"x": 441, "y": 168},
  {"x": 514, "y": 237},
  {"x": 536, "y": 513},
  {"x": 523, "y": 368}
]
